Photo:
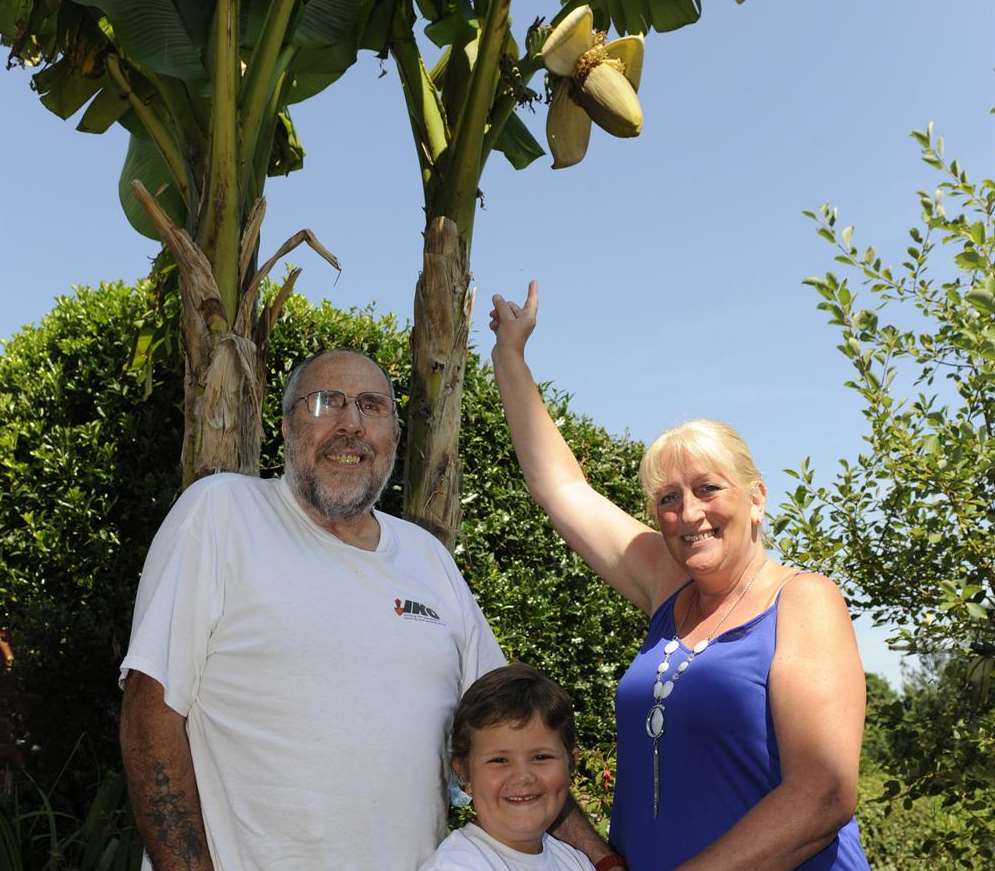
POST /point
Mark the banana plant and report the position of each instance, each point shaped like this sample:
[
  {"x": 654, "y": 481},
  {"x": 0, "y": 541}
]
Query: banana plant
[
  {"x": 462, "y": 108},
  {"x": 204, "y": 90}
]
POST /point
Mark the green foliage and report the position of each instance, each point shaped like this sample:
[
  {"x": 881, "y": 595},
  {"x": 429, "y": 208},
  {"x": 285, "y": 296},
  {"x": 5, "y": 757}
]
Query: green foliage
[
  {"x": 594, "y": 784},
  {"x": 907, "y": 527},
  {"x": 80, "y": 497},
  {"x": 641, "y": 16},
  {"x": 546, "y": 607},
  {"x": 911, "y": 834},
  {"x": 88, "y": 469},
  {"x": 36, "y": 834},
  {"x": 912, "y": 829},
  {"x": 148, "y": 66}
]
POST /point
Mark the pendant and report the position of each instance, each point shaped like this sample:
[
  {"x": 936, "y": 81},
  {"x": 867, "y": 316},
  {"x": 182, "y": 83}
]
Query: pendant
[{"x": 654, "y": 722}]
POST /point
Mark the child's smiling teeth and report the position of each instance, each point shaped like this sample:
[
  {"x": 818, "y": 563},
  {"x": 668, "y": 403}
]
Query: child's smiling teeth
[{"x": 700, "y": 536}]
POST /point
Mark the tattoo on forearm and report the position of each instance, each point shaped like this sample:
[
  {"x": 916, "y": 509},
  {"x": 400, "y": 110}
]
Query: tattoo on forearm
[{"x": 175, "y": 824}]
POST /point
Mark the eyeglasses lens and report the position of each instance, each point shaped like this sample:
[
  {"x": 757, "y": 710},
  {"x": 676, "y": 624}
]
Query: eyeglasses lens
[{"x": 328, "y": 402}]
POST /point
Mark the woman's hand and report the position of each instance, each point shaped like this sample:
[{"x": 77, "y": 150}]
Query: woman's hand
[{"x": 512, "y": 323}]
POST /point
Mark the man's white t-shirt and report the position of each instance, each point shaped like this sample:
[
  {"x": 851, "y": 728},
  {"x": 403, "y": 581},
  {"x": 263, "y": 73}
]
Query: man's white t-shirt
[
  {"x": 472, "y": 849},
  {"x": 318, "y": 680}
]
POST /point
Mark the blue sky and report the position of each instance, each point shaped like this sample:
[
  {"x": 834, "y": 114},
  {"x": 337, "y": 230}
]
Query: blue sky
[{"x": 670, "y": 266}]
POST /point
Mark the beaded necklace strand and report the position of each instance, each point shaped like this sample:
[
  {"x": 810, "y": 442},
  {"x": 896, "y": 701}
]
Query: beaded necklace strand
[{"x": 664, "y": 687}]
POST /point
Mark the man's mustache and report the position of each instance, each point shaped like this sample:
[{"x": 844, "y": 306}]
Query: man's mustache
[{"x": 338, "y": 444}]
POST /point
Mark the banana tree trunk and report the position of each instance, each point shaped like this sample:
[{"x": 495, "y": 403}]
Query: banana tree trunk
[
  {"x": 225, "y": 356},
  {"x": 433, "y": 470},
  {"x": 223, "y": 392}
]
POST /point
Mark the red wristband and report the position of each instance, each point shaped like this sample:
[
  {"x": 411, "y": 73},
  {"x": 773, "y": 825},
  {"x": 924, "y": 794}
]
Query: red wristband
[{"x": 612, "y": 860}]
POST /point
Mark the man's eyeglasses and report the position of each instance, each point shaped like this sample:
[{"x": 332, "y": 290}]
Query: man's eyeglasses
[{"x": 325, "y": 403}]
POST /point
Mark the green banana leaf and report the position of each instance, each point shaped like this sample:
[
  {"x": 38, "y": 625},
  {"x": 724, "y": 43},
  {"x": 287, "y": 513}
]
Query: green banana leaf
[
  {"x": 640, "y": 16},
  {"x": 326, "y": 23},
  {"x": 106, "y": 108},
  {"x": 288, "y": 153},
  {"x": 327, "y": 60},
  {"x": 666, "y": 16},
  {"x": 433, "y": 10},
  {"x": 306, "y": 85},
  {"x": 31, "y": 28},
  {"x": 517, "y": 144},
  {"x": 63, "y": 89},
  {"x": 451, "y": 29},
  {"x": 377, "y": 30},
  {"x": 146, "y": 164},
  {"x": 251, "y": 18},
  {"x": 167, "y": 36},
  {"x": 130, "y": 122},
  {"x": 14, "y": 16}
]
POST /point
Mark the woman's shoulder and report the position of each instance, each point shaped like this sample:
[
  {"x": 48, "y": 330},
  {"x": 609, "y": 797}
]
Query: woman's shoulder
[
  {"x": 804, "y": 589},
  {"x": 813, "y": 618}
]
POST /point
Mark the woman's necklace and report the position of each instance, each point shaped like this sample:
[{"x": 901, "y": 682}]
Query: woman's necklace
[{"x": 663, "y": 687}]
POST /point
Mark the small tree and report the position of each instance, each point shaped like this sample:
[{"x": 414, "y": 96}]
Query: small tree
[
  {"x": 204, "y": 89},
  {"x": 462, "y": 109},
  {"x": 908, "y": 526}
]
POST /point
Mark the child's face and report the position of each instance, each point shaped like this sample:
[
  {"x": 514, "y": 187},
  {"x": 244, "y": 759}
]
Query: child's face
[{"x": 519, "y": 779}]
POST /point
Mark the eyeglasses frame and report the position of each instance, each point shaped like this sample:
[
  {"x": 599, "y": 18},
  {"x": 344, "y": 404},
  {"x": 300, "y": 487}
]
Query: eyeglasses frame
[{"x": 355, "y": 401}]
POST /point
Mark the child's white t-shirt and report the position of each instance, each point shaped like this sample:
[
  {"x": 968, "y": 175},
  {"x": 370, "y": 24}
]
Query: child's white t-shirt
[{"x": 472, "y": 849}]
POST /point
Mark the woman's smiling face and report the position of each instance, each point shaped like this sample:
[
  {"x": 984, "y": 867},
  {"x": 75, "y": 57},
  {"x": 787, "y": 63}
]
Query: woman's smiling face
[
  {"x": 519, "y": 777},
  {"x": 709, "y": 522}
]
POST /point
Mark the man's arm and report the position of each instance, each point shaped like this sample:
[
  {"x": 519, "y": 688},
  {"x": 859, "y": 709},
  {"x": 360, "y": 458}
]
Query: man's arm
[
  {"x": 575, "y": 828},
  {"x": 161, "y": 781}
]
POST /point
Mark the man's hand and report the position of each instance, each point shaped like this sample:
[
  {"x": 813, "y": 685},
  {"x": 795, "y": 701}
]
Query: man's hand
[{"x": 575, "y": 828}]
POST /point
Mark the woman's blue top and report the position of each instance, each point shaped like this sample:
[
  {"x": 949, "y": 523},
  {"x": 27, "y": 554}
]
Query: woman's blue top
[{"x": 718, "y": 751}]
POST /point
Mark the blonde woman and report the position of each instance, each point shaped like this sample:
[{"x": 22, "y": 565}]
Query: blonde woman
[{"x": 740, "y": 719}]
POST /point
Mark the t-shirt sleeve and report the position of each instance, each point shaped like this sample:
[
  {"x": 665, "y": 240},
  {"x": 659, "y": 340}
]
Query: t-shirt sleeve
[
  {"x": 481, "y": 652},
  {"x": 456, "y": 854},
  {"x": 179, "y": 601}
]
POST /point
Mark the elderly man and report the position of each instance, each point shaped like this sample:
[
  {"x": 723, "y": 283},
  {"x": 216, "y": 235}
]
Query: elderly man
[{"x": 296, "y": 655}]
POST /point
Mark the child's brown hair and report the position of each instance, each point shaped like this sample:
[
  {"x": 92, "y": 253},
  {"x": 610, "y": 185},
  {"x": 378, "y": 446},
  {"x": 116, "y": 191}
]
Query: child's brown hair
[{"x": 513, "y": 694}]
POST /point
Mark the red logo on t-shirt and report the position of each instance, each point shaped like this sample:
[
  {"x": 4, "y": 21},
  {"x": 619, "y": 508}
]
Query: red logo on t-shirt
[{"x": 415, "y": 610}]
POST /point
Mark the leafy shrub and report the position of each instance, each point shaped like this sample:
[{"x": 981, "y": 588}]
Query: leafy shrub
[
  {"x": 906, "y": 526},
  {"x": 84, "y": 482}
]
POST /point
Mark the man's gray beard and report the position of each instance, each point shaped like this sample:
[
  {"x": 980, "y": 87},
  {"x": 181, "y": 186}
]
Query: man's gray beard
[{"x": 304, "y": 484}]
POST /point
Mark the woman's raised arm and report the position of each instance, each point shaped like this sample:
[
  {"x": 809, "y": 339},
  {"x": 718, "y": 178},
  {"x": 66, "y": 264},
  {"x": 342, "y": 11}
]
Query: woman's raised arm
[{"x": 624, "y": 552}]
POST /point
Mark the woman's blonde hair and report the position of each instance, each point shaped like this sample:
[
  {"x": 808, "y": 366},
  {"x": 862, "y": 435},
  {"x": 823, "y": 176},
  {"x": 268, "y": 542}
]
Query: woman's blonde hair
[{"x": 709, "y": 441}]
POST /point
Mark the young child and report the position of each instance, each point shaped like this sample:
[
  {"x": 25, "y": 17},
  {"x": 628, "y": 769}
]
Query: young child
[{"x": 512, "y": 751}]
